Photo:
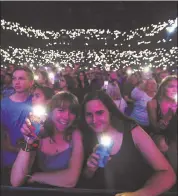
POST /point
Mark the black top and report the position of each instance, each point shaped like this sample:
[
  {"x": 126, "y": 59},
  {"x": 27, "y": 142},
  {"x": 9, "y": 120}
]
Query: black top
[
  {"x": 170, "y": 132},
  {"x": 127, "y": 170}
]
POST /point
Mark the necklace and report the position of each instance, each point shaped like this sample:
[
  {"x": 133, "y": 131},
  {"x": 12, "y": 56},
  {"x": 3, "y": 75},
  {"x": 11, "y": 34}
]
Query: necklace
[{"x": 51, "y": 141}]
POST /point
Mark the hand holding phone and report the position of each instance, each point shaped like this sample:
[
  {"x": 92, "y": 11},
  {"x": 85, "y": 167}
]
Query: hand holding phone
[
  {"x": 37, "y": 118},
  {"x": 104, "y": 150}
]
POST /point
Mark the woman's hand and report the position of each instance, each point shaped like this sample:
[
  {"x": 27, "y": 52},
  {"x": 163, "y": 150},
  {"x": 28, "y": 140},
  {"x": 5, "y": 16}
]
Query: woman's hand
[
  {"x": 28, "y": 130},
  {"x": 93, "y": 161},
  {"x": 163, "y": 124}
]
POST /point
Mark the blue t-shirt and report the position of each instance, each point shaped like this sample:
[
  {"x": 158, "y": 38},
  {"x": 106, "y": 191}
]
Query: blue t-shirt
[
  {"x": 13, "y": 115},
  {"x": 8, "y": 91}
]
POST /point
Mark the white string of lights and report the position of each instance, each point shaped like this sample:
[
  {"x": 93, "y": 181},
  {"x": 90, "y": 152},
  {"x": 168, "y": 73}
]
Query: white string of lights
[
  {"x": 98, "y": 34},
  {"x": 36, "y": 57}
]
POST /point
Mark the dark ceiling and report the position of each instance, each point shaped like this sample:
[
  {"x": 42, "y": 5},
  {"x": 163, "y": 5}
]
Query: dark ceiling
[{"x": 121, "y": 15}]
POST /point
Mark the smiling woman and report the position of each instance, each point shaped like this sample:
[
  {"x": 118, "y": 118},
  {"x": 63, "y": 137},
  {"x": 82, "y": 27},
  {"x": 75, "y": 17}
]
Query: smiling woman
[
  {"x": 60, "y": 152},
  {"x": 135, "y": 163}
]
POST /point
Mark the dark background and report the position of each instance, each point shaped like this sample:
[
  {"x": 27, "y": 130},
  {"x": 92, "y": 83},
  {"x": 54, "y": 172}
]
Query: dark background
[{"x": 54, "y": 15}]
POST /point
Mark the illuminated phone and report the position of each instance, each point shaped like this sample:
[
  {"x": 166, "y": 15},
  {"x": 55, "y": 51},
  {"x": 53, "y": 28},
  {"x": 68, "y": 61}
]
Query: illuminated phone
[
  {"x": 104, "y": 150},
  {"x": 105, "y": 85},
  {"x": 38, "y": 119}
]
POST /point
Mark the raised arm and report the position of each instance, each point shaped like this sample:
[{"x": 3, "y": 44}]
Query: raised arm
[
  {"x": 67, "y": 177},
  {"x": 164, "y": 177}
]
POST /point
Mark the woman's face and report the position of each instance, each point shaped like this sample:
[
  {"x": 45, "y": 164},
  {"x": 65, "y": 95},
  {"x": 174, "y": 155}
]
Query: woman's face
[
  {"x": 62, "y": 117},
  {"x": 7, "y": 79},
  {"x": 41, "y": 79},
  {"x": 163, "y": 75},
  {"x": 81, "y": 76},
  {"x": 171, "y": 89},
  {"x": 38, "y": 97},
  {"x": 97, "y": 116},
  {"x": 134, "y": 79},
  {"x": 62, "y": 83},
  {"x": 151, "y": 85}
]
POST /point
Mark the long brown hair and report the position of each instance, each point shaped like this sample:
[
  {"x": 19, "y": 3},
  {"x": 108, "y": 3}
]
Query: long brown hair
[
  {"x": 59, "y": 100},
  {"x": 161, "y": 90}
]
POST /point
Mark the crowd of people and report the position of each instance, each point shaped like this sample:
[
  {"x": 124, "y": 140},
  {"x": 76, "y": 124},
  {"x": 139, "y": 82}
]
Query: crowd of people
[{"x": 138, "y": 114}]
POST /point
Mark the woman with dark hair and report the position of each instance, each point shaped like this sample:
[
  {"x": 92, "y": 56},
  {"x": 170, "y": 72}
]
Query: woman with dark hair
[
  {"x": 43, "y": 79},
  {"x": 66, "y": 83},
  {"x": 135, "y": 163},
  {"x": 162, "y": 107},
  {"x": 161, "y": 110},
  {"x": 83, "y": 85},
  {"x": 41, "y": 95},
  {"x": 59, "y": 155}
]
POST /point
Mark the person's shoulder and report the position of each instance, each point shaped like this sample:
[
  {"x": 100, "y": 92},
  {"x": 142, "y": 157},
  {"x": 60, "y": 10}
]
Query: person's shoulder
[
  {"x": 29, "y": 99},
  {"x": 152, "y": 103},
  {"x": 123, "y": 101},
  {"x": 127, "y": 125},
  {"x": 139, "y": 135},
  {"x": 76, "y": 134},
  {"x": 5, "y": 100}
]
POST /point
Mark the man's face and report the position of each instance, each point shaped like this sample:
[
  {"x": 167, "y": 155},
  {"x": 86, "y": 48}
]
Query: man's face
[
  {"x": 7, "y": 79},
  {"x": 68, "y": 70},
  {"x": 11, "y": 68},
  {"x": 21, "y": 81},
  {"x": 163, "y": 75},
  {"x": 113, "y": 76}
]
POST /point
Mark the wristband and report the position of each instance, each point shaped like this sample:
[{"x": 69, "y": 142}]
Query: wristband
[{"x": 29, "y": 147}]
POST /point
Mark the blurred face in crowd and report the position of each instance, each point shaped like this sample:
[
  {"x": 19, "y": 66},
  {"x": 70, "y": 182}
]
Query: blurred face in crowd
[
  {"x": 151, "y": 85},
  {"x": 41, "y": 79},
  {"x": 133, "y": 79},
  {"x": 171, "y": 89},
  {"x": 81, "y": 76},
  {"x": 63, "y": 117},
  {"x": 88, "y": 75},
  {"x": 163, "y": 75},
  {"x": 113, "y": 76},
  {"x": 158, "y": 70},
  {"x": 7, "y": 79},
  {"x": 2, "y": 73},
  {"x": 97, "y": 69},
  {"x": 92, "y": 76},
  {"x": 38, "y": 97},
  {"x": 11, "y": 68},
  {"x": 97, "y": 116},
  {"x": 21, "y": 81},
  {"x": 62, "y": 83},
  {"x": 68, "y": 70}
]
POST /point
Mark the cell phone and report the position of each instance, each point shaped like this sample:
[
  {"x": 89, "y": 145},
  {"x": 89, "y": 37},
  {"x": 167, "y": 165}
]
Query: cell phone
[
  {"x": 105, "y": 85},
  {"x": 104, "y": 150},
  {"x": 39, "y": 117}
]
